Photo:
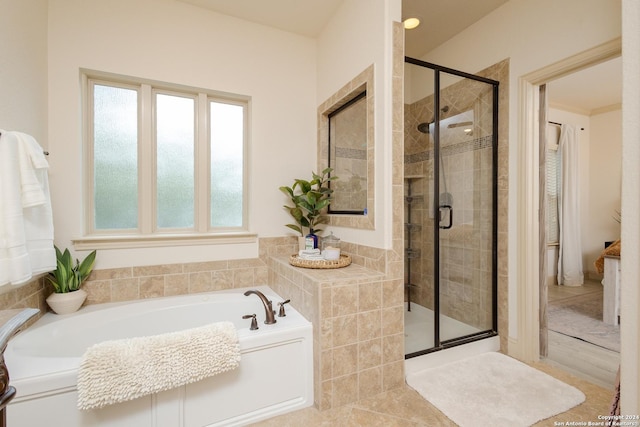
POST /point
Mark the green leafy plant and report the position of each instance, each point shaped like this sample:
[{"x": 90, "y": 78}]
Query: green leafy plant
[
  {"x": 68, "y": 277},
  {"x": 310, "y": 200}
]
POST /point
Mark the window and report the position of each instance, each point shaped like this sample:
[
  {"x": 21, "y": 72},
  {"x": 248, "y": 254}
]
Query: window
[
  {"x": 552, "y": 182},
  {"x": 163, "y": 160}
]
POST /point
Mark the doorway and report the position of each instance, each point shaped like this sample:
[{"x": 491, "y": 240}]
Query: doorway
[
  {"x": 575, "y": 330},
  {"x": 527, "y": 330},
  {"x": 450, "y": 186}
]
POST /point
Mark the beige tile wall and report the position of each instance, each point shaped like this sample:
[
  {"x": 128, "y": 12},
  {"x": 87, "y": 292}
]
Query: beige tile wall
[
  {"x": 465, "y": 269},
  {"x": 130, "y": 283},
  {"x": 357, "y": 311},
  {"x": 358, "y": 328},
  {"x": 30, "y": 295}
]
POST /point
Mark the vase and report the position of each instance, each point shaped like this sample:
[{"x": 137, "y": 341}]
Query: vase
[{"x": 68, "y": 302}]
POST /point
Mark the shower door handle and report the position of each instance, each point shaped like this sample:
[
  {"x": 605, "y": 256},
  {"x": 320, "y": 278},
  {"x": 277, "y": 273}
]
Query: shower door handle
[{"x": 446, "y": 210}]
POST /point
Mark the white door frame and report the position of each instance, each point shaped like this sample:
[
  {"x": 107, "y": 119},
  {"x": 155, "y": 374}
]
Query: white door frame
[{"x": 527, "y": 344}]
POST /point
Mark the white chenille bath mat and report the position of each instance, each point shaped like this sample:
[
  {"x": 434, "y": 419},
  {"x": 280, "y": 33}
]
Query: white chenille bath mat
[
  {"x": 120, "y": 370},
  {"x": 494, "y": 390}
]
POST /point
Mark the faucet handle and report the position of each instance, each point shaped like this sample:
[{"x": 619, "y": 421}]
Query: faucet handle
[
  {"x": 281, "y": 312},
  {"x": 254, "y": 322}
]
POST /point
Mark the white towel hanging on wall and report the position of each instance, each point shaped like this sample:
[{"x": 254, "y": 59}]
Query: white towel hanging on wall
[{"x": 26, "y": 221}]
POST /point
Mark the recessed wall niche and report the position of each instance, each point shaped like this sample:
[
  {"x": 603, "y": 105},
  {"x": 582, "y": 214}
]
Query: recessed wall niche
[{"x": 353, "y": 204}]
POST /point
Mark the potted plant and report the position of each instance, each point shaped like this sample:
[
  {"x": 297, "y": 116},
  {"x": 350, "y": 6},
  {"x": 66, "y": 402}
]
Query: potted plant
[
  {"x": 310, "y": 200},
  {"x": 66, "y": 279}
]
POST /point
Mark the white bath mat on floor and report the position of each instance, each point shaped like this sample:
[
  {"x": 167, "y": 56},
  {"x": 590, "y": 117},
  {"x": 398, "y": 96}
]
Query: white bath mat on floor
[{"x": 494, "y": 390}]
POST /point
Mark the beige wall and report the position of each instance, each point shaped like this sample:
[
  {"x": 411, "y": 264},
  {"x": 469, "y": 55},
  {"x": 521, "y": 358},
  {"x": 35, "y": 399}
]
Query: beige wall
[
  {"x": 630, "y": 265},
  {"x": 605, "y": 183},
  {"x": 175, "y": 42},
  {"x": 23, "y": 98},
  {"x": 23, "y": 67},
  {"x": 286, "y": 75},
  {"x": 358, "y": 36}
]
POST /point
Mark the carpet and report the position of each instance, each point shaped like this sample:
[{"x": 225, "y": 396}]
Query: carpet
[
  {"x": 581, "y": 317},
  {"x": 494, "y": 390}
]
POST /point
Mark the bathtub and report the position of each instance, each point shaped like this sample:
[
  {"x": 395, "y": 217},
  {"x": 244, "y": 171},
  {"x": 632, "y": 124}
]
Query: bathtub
[{"x": 275, "y": 375}]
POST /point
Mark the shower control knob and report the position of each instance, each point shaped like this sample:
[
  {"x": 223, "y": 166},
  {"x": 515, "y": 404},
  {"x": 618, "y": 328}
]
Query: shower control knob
[
  {"x": 254, "y": 322},
  {"x": 281, "y": 312}
]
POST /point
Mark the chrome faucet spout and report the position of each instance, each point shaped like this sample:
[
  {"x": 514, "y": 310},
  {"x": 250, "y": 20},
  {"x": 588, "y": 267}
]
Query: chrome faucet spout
[{"x": 268, "y": 307}]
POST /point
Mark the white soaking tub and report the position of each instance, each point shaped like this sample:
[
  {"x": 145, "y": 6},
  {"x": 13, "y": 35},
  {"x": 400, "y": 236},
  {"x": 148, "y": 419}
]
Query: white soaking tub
[{"x": 275, "y": 374}]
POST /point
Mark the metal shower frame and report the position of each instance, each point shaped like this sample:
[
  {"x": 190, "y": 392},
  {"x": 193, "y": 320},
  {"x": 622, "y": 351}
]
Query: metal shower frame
[{"x": 440, "y": 345}]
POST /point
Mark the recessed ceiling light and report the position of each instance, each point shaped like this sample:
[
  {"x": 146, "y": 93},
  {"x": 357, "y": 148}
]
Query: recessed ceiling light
[{"x": 411, "y": 23}]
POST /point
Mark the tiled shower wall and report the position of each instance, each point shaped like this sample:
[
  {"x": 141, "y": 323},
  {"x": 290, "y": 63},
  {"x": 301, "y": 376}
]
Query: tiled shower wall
[{"x": 465, "y": 287}]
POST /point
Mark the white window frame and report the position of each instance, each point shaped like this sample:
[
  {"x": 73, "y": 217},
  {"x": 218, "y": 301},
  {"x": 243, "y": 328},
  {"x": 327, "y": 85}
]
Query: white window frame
[{"x": 148, "y": 234}]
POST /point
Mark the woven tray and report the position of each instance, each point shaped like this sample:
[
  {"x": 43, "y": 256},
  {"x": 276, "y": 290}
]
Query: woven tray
[{"x": 296, "y": 261}]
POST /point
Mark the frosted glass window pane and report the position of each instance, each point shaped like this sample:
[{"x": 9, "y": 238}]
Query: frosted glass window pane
[
  {"x": 227, "y": 136},
  {"x": 175, "y": 161},
  {"x": 115, "y": 149},
  {"x": 553, "y": 167}
]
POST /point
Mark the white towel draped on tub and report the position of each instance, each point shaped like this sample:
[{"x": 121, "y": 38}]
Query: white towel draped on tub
[
  {"x": 121, "y": 370},
  {"x": 26, "y": 222}
]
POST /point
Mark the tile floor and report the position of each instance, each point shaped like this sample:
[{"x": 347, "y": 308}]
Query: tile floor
[{"x": 405, "y": 407}]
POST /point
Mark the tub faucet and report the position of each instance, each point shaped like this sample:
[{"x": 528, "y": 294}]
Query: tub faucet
[{"x": 268, "y": 308}]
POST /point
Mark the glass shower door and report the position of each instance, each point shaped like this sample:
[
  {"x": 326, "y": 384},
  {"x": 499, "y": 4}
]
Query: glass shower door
[
  {"x": 450, "y": 207},
  {"x": 465, "y": 200}
]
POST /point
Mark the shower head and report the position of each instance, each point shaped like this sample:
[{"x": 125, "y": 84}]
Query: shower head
[{"x": 424, "y": 127}]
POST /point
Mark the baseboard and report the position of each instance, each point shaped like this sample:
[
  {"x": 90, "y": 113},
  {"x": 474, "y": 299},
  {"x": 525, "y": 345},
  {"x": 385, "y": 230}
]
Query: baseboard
[{"x": 593, "y": 275}]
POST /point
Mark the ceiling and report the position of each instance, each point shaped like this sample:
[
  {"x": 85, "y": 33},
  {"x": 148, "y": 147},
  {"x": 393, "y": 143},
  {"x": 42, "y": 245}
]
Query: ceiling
[
  {"x": 585, "y": 91},
  {"x": 592, "y": 90},
  {"x": 441, "y": 20},
  {"x": 304, "y": 17}
]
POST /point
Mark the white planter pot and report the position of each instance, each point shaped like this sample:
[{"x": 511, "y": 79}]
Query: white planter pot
[{"x": 68, "y": 302}]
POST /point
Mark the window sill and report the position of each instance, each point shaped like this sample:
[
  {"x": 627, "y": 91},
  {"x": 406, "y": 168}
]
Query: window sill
[{"x": 126, "y": 242}]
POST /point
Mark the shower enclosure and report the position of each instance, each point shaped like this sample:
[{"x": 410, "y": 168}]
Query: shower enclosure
[{"x": 450, "y": 207}]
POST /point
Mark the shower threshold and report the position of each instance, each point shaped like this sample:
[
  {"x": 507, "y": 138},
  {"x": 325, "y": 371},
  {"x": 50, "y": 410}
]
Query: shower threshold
[{"x": 418, "y": 328}]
